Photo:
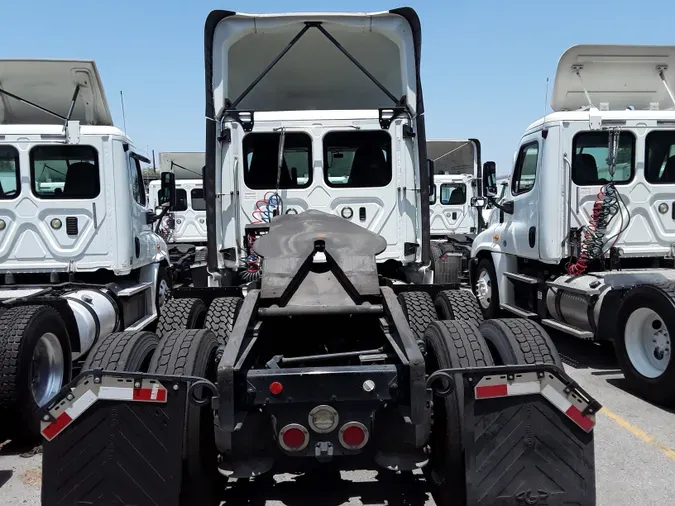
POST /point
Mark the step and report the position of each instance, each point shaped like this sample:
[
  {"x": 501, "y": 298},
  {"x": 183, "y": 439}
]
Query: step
[
  {"x": 523, "y": 313},
  {"x": 133, "y": 290},
  {"x": 573, "y": 289},
  {"x": 568, "y": 329},
  {"x": 522, "y": 278}
]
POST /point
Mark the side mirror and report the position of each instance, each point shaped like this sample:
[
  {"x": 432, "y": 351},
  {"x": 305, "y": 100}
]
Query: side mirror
[
  {"x": 430, "y": 172},
  {"x": 167, "y": 192},
  {"x": 489, "y": 179}
]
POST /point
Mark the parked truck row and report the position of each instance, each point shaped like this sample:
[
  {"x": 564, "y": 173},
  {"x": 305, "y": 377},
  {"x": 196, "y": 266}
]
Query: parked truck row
[{"x": 321, "y": 338}]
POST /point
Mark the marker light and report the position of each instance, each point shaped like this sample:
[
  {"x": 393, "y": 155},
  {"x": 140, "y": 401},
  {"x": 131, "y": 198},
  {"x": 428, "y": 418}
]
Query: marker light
[{"x": 347, "y": 213}]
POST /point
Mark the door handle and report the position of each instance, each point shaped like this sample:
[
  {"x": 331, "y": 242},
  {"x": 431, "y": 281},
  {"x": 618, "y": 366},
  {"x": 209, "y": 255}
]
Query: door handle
[{"x": 531, "y": 236}]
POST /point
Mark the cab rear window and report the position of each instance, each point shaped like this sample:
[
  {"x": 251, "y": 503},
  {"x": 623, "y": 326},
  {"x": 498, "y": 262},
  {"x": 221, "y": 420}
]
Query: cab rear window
[
  {"x": 64, "y": 172},
  {"x": 10, "y": 186}
]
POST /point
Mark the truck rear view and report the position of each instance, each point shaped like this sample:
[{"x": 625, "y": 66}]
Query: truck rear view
[{"x": 320, "y": 361}]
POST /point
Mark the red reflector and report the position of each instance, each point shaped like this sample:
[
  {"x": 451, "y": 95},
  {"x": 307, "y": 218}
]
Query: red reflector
[
  {"x": 293, "y": 438},
  {"x": 353, "y": 436},
  {"x": 61, "y": 422},
  {"x": 491, "y": 391},
  {"x": 276, "y": 388},
  {"x": 577, "y": 417}
]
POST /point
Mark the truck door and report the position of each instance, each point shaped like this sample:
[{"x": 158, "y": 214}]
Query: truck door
[
  {"x": 519, "y": 233},
  {"x": 450, "y": 211}
]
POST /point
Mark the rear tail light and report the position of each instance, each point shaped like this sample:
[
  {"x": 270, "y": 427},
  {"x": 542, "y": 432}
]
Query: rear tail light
[
  {"x": 353, "y": 435},
  {"x": 293, "y": 437}
]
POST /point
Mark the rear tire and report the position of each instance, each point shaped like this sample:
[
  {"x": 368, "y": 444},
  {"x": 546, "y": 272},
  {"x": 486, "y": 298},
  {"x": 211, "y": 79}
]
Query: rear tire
[
  {"x": 419, "y": 310},
  {"x": 517, "y": 341},
  {"x": 450, "y": 344},
  {"x": 644, "y": 339},
  {"x": 181, "y": 314},
  {"x": 193, "y": 353},
  {"x": 222, "y": 315},
  {"x": 458, "y": 305},
  {"x": 35, "y": 363},
  {"x": 123, "y": 351}
]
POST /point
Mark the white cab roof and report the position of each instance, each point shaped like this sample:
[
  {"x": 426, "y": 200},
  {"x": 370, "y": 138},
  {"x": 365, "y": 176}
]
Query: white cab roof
[
  {"x": 314, "y": 74},
  {"x": 619, "y": 75},
  {"x": 51, "y": 84}
]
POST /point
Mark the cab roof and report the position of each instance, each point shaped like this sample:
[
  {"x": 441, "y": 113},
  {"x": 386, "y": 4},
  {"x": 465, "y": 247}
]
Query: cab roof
[{"x": 51, "y": 85}]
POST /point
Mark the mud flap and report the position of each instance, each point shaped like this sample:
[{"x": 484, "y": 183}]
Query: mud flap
[
  {"x": 115, "y": 439},
  {"x": 528, "y": 438}
]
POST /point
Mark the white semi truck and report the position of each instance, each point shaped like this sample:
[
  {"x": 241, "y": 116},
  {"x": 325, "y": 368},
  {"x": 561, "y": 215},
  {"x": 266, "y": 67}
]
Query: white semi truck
[
  {"x": 186, "y": 223},
  {"x": 584, "y": 239},
  {"x": 78, "y": 258}
]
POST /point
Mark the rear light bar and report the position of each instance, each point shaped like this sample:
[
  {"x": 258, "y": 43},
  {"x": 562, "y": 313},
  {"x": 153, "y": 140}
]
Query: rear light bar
[
  {"x": 88, "y": 391},
  {"x": 565, "y": 398},
  {"x": 353, "y": 435},
  {"x": 294, "y": 437}
]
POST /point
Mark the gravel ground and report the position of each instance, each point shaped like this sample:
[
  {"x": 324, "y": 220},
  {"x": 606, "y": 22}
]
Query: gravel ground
[{"x": 635, "y": 455}]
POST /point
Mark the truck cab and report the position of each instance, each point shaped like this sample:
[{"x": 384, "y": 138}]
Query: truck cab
[
  {"x": 585, "y": 235},
  {"x": 78, "y": 256},
  {"x": 456, "y": 182},
  {"x": 344, "y": 135}
]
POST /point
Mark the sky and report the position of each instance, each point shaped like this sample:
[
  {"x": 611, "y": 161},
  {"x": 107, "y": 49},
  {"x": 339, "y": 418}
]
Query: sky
[{"x": 484, "y": 63}]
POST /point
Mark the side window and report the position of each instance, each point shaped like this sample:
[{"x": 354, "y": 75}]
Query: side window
[
  {"x": 181, "y": 200},
  {"x": 432, "y": 196},
  {"x": 136, "y": 181},
  {"x": 64, "y": 172},
  {"x": 197, "y": 199},
  {"x": 591, "y": 150},
  {"x": 357, "y": 159},
  {"x": 10, "y": 186},
  {"x": 525, "y": 171}
]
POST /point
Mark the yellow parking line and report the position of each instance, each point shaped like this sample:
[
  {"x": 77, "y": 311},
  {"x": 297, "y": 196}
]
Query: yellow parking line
[{"x": 639, "y": 433}]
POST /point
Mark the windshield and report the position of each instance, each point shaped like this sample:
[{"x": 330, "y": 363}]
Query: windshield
[
  {"x": 261, "y": 155},
  {"x": 64, "y": 172},
  {"x": 357, "y": 159},
  {"x": 9, "y": 173}
]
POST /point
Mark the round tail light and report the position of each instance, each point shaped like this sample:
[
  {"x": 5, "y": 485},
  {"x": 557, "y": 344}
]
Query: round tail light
[
  {"x": 353, "y": 435},
  {"x": 293, "y": 437}
]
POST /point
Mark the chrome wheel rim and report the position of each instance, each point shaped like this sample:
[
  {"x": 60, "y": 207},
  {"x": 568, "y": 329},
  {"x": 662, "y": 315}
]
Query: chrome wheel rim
[
  {"x": 484, "y": 289},
  {"x": 47, "y": 369}
]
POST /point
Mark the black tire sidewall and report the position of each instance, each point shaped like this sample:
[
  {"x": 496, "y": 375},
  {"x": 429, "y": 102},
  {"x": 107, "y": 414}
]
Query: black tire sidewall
[
  {"x": 497, "y": 342},
  {"x": 652, "y": 298},
  {"x": 444, "y": 307}
]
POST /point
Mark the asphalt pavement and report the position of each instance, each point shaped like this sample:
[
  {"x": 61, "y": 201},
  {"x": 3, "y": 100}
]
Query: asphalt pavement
[{"x": 634, "y": 446}]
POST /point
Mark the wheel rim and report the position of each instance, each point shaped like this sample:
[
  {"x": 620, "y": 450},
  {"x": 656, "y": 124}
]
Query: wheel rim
[
  {"x": 647, "y": 342},
  {"x": 484, "y": 289},
  {"x": 47, "y": 368},
  {"x": 162, "y": 292}
]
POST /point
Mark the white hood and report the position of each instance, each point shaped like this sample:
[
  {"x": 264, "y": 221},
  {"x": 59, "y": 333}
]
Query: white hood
[
  {"x": 314, "y": 73},
  {"x": 51, "y": 85},
  {"x": 621, "y": 76}
]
